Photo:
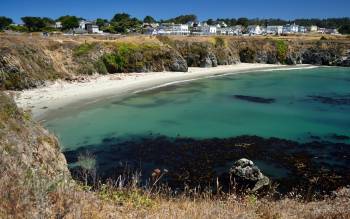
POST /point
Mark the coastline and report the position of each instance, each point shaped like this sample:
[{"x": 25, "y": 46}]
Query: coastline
[{"x": 58, "y": 94}]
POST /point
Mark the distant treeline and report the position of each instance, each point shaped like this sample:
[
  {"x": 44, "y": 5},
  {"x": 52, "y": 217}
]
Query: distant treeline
[{"x": 124, "y": 23}]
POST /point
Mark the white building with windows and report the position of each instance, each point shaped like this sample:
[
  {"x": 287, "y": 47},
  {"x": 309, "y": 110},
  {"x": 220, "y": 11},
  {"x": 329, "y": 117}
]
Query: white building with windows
[
  {"x": 313, "y": 28},
  {"x": 291, "y": 28},
  {"x": 208, "y": 30},
  {"x": 93, "y": 29},
  {"x": 276, "y": 30},
  {"x": 58, "y": 25},
  {"x": 302, "y": 29},
  {"x": 254, "y": 30},
  {"x": 173, "y": 29}
]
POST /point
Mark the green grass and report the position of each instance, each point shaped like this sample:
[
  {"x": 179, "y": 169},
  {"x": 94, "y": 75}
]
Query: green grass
[{"x": 83, "y": 49}]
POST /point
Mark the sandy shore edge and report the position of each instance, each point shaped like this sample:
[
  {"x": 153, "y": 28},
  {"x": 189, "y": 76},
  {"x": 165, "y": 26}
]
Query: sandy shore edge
[{"x": 62, "y": 93}]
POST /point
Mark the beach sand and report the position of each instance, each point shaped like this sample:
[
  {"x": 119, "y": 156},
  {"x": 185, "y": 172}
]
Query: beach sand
[{"x": 60, "y": 93}]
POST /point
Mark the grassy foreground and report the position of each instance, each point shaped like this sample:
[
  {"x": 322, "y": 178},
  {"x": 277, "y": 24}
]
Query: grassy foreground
[{"x": 35, "y": 183}]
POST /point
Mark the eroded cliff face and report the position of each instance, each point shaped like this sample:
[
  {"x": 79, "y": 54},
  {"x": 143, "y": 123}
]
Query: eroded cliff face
[
  {"x": 27, "y": 62},
  {"x": 25, "y": 145}
]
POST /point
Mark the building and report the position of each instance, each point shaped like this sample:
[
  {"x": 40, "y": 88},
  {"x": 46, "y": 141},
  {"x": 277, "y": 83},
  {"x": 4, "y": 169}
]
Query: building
[
  {"x": 93, "y": 29},
  {"x": 150, "y": 28},
  {"x": 290, "y": 28},
  {"x": 321, "y": 30},
  {"x": 58, "y": 25},
  {"x": 313, "y": 28},
  {"x": 302, "y": 29},
  {"x": 208, "y": 30},
  {"x": 275, "y": 30},
  {"x": 254, "y": 30},
  {"x": 173, "y": 29},
  {"x": 331, "y": 31}
]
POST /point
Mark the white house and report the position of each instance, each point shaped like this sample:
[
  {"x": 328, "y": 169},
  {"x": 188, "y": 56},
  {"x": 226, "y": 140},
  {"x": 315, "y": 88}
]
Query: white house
[
  {"x": 254, "y": 30},
  {"x": 332, "y": 31},
  {"x": 291, "y": 28},
  {"x": 237, "y": 30},
  {"x": 82, "y": 24},
  {"x": 58, "y": 25},
  {"x": 208, "y": 30},
  {"x": 173, "y": 29},
  {"x": 313, "y": 28},
  {"x": 302, "y": 29},
  {"x": 92, "y": 28},
  {"x": 274, "y": 30}
]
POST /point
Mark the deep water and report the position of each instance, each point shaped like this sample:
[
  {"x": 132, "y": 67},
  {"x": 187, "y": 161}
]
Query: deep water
[{"x": 196, "y": 130}]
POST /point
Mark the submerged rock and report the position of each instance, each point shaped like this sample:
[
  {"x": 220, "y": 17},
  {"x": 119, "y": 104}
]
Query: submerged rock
[
  {"x": 246, "y": 171},
  {"x": 254, "y": 99}
]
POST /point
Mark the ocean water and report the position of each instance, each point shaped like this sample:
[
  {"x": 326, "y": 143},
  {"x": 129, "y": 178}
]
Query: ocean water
[{"x": 300, "y": 105}]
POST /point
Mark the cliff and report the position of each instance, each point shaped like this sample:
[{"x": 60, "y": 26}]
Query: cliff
[{"x": 29, "y": 61}]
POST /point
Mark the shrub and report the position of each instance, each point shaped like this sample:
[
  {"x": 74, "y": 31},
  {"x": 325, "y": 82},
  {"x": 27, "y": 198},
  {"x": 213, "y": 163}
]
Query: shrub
[
  {"x": 100, "y": 67},
  {"x": 113, "y": 62},
  {"x": 219, "y": 42},
  {"x": 83, "y": 49},
  {"x": 282, "y": 49},
  {"x": 247, "y": 55}
]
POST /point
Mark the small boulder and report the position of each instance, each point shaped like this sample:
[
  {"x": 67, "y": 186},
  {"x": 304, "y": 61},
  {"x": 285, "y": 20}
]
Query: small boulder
[{"x": 248, "y": 173}]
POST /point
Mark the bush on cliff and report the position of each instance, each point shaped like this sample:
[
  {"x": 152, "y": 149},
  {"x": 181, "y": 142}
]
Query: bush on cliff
[{"x": 282, "y": 49}]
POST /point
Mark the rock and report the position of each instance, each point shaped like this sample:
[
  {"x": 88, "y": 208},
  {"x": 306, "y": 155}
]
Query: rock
[
  {"x": 266, "y": 57},
  {"x": 293, "y": 59},
  {"x": 248, "y": 173},
  {"x": 209, "y": 61},
  {"x": 178, "y": 64},
  {"x": 320, "y": 56}
]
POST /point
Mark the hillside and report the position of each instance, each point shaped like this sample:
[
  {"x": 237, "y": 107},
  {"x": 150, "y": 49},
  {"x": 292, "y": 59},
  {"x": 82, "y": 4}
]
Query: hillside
[{"x": 29, "y": 61}]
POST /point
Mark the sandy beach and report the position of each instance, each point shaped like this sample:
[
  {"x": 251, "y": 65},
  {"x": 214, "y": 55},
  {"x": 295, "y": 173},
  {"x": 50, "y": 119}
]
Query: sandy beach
[{"x": 58, "y": 94}]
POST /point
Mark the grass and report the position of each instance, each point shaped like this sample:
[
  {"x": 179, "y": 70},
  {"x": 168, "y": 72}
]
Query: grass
[{"x": 83, "y": 49}]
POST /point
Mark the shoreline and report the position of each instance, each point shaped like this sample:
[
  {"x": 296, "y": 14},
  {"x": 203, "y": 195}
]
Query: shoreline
[{"x": 52, "y": 97}]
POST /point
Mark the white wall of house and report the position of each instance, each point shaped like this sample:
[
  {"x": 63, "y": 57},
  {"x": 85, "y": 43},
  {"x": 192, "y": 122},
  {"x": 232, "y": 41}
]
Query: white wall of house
[
  {"x": 208, "y": 30},
  {"x": 254, "y": 30},
  {"x": 274, "y": 30},
  {"x": 313, "y": 28}
]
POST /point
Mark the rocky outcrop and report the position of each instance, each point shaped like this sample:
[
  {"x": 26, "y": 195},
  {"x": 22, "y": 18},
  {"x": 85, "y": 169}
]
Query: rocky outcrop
[
  {"x": 248, "y": 174},
  {"x": 26, "y": 146}
]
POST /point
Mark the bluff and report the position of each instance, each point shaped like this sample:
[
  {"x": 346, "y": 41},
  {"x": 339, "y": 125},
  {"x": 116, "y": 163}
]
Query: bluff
[{"x": 30, "y": 61}]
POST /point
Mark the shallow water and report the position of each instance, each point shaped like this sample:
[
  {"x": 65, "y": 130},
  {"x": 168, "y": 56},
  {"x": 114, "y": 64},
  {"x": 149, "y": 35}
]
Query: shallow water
[
  {"x": 300, "y": 105},
  {"x": 195, "y": 129}
]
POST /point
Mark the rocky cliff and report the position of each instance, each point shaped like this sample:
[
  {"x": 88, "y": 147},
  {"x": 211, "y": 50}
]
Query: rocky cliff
[{"x": 27, "y": 62}]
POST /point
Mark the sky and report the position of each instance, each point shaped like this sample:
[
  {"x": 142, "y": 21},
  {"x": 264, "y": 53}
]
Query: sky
[{"x": 163, "y": 9}]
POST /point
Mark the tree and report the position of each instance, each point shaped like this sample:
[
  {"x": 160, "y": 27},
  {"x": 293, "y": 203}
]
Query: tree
[
  {"x": 5, "y": 22},
  {"x": 149, "y": 19},
  {"x": 48, "y": 21},
  {"x": 69, "y": 22},
  {"x": 101, "y": 22},
  {"x": 345, "y": 29},
  {"x": 182, "y": 19},
  {"x": 210, "y": 22},
  {"x": 243, "y": 21},
  {"x": 121, "y": 17},
  {"x": 33, "y": 23},
  {"x": 124, "y": 23}
]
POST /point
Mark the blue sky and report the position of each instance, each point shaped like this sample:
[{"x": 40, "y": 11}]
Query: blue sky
[{"x": 204, "y": 9}]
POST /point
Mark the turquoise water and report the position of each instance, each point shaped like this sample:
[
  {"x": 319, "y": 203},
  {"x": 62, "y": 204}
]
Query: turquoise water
[{"x": 300, "y": 105}]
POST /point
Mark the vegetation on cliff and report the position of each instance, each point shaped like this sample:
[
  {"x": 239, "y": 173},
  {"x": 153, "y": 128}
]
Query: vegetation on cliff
[{"x": 29, "y": 62}]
